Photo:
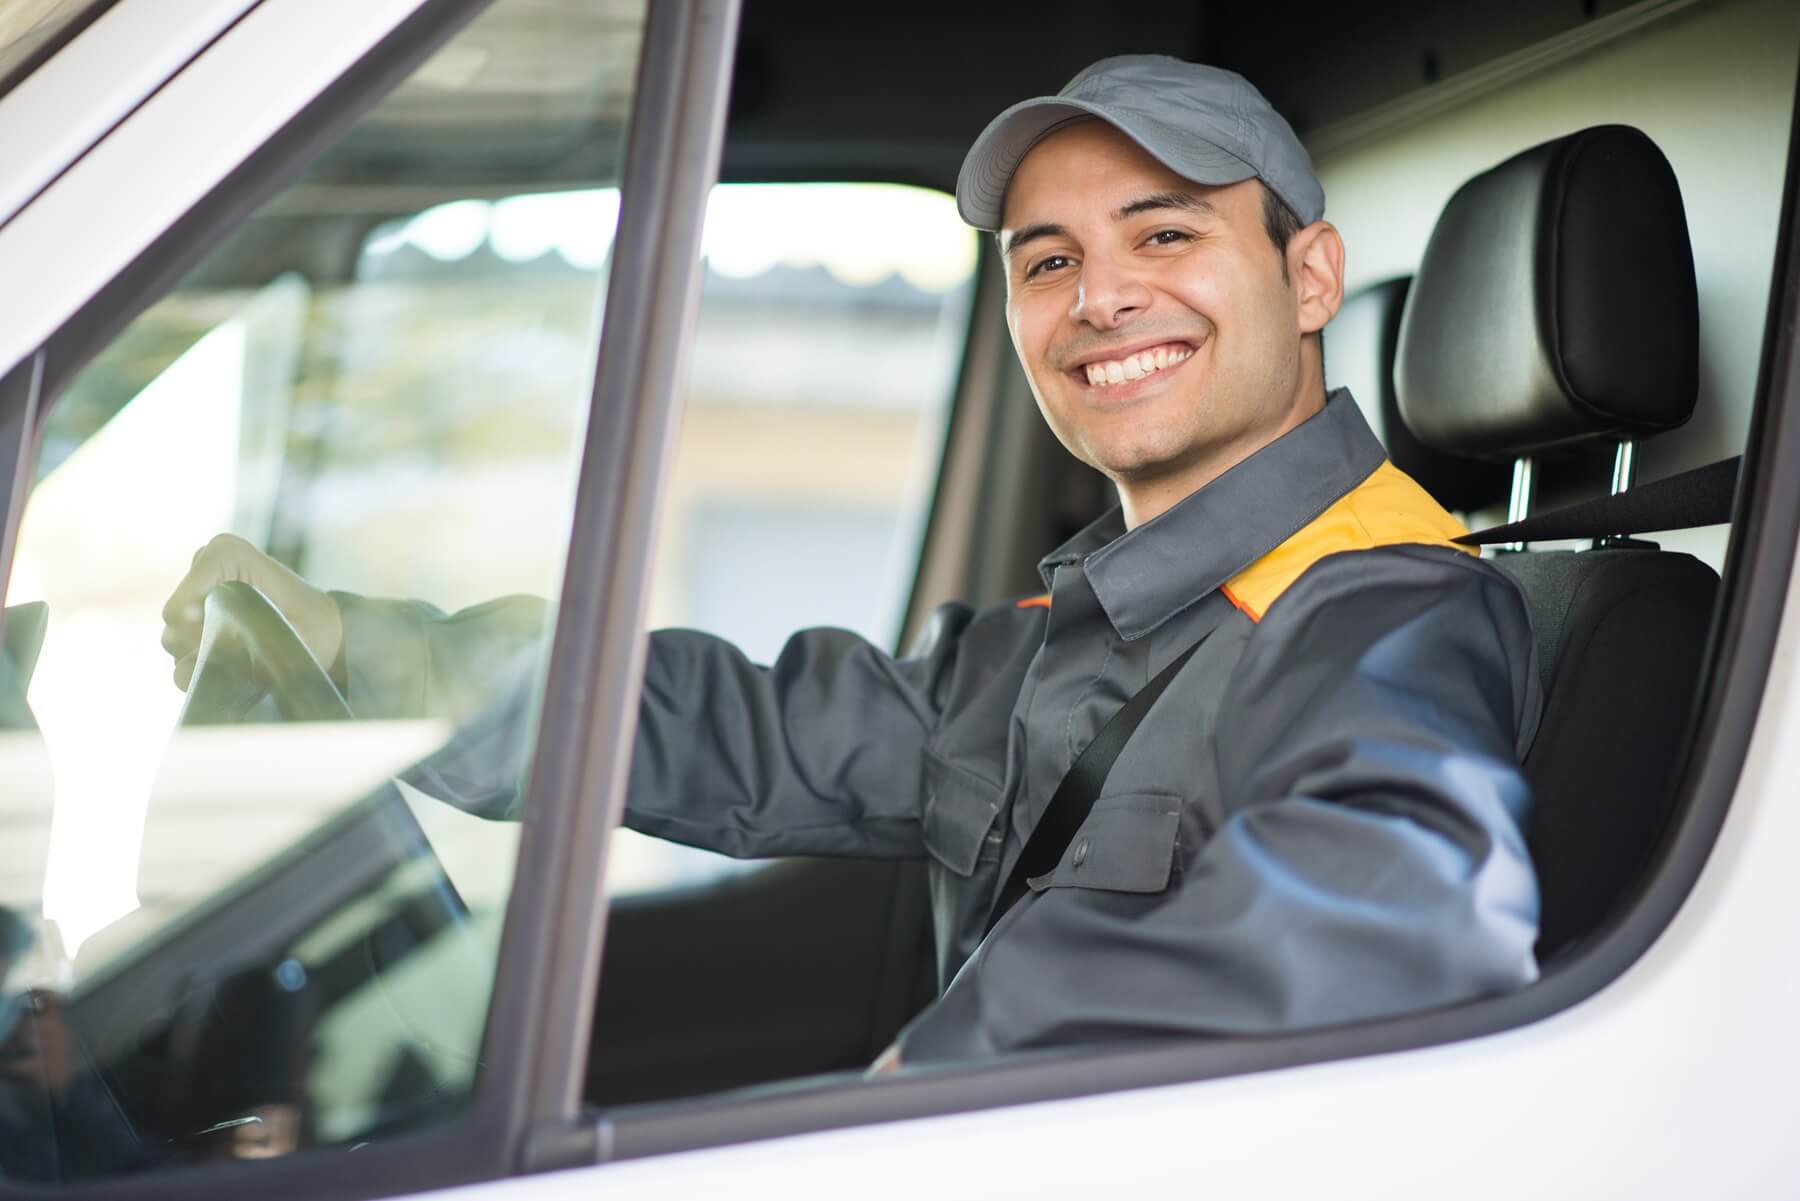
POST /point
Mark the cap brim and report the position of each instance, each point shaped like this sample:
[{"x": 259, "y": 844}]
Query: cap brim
[{"x": 988, "y": 168}]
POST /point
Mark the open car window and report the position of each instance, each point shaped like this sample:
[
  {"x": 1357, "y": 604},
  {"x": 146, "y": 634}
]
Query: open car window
[
  {"x": 1390, "y": 174},
  {"x": 261, "y": 913},
  {"x": 818, "y": 393}
]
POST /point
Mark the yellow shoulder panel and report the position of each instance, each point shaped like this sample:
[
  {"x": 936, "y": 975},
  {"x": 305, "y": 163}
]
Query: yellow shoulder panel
[{"x": 1387, "y": 509}]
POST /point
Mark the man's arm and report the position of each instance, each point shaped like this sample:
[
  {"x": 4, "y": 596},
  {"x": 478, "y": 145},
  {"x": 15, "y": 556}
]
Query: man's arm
[
  {"x": 819, "y": 753},
  {"x": 1371, "y": 858},
  {"x": 405, "y": 658},
  {"x": 392, "y": 658}
]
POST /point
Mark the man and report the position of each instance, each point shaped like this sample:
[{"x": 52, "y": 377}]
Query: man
[{"x": 1318, "y": 821}]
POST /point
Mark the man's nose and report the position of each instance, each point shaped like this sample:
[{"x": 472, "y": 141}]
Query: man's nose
[{"x": 1108, "y": 294}]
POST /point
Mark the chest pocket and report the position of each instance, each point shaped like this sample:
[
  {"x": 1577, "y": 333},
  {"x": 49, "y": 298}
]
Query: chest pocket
[
  {"x": 1127, "y": 844},
  {"x": 960, "y": 811}
]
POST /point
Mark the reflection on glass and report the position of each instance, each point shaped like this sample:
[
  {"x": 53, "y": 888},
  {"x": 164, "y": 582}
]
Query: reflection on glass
[{"x": 240, "y": 919}]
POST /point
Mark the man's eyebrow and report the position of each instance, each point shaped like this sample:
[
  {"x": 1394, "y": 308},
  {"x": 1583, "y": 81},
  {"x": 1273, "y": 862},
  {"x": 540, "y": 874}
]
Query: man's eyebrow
[
  {"x": 1033, "y": 233},
  {"x": 1185, "y": 201}
]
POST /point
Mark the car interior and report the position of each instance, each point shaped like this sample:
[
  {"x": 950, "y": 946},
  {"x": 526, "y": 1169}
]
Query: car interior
[
  {"x": 1572, "y": 258},
  {"x": 1560, "y": 273}
]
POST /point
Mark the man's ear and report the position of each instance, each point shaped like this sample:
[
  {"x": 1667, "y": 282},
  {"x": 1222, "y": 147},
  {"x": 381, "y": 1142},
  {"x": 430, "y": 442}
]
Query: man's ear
[{"x": 1316, "y": 265}]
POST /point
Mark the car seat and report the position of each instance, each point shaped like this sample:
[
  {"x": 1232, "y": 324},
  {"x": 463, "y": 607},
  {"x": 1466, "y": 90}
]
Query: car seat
[{"x": 1556, "y": 306}]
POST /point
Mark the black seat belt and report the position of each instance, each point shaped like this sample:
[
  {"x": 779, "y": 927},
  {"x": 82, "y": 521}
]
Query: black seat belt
[
  {"x": 1699, "y": 497},
  {"x": 1080, "y": 788}
]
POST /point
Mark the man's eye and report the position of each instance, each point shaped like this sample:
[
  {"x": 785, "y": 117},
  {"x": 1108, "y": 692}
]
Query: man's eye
[
  {"x": 1169, "y": 237},
  {"x": 1054, "y": 262}
]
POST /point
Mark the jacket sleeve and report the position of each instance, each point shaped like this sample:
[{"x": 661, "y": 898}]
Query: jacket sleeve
[
  {"x": 1371, "y": 857},
  {"x": 405, "y": 658},
  {"x": 818, "y": 754}
]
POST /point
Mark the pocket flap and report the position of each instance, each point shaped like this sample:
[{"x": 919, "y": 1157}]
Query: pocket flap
[
  {"x": 960, "y": 808},
  {"x": 1127, "y": 846}
]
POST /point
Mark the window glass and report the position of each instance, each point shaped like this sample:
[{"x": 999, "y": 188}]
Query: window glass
[
  {"x": 819, "y": 385},
  {"x": 262, "y": 913}
]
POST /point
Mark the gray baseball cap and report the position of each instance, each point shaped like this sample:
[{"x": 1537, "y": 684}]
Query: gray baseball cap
[{"x": 1206, "y": 124}]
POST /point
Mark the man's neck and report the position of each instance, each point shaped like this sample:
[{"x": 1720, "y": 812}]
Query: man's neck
[{"x": 1146, "y": 498}]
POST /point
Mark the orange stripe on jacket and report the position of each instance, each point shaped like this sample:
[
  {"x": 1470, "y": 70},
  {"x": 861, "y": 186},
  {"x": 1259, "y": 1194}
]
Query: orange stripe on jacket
[
  {"x": 1246, "y": 610},
  {"x": 1034, "y": 602},
  {"x": 1387, "y": 509}
]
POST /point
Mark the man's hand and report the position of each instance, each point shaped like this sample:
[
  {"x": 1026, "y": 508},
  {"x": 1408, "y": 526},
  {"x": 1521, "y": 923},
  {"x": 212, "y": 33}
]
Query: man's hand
[{"x": 312, "y": 612}]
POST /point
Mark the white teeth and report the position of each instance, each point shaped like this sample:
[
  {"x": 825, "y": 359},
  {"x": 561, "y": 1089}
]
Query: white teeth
[{"x": 1136, "y": 366}]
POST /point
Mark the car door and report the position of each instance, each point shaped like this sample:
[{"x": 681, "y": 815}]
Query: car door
[
  {"x": 249, "y": 930},
  {"x": 343, "y": 924}
]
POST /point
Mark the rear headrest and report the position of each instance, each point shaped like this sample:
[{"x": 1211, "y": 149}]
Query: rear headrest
[
  {"x": 1555, "y": 303},
  {"x": 1359, "y": 355}
]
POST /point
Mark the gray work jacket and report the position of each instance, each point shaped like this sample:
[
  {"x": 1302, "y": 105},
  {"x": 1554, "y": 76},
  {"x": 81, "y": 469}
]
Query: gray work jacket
[{"x": 1320, "y": 820}]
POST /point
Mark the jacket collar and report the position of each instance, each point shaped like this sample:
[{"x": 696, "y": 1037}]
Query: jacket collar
[{"x": 1145, "y": 576}]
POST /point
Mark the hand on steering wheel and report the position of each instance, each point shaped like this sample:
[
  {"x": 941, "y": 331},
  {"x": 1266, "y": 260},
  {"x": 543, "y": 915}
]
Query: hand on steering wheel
[
  {"x": 248, "y": 653},
  {"x": 244, "y": 629},
  {"x": 310, "y": 612}
]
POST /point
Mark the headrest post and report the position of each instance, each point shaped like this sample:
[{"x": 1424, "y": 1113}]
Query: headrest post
[
  {"x": 1519, "y": 507},
  {"x": 1624, "y": 465},
  {"x": 1624, "y": 473}
]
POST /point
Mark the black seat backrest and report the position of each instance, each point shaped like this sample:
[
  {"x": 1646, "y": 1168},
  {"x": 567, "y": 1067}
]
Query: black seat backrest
[
  {"x": 1621, "y": 635},
  {"x": 1359, "y": 355},
  {"x": 1556, "y": 305}
]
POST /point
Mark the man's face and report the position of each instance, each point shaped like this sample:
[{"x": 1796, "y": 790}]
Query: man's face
[{"x": 1150, "y": 313}]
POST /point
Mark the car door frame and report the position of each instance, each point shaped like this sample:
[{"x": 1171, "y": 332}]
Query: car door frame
[{"x": 90, "y": 78}]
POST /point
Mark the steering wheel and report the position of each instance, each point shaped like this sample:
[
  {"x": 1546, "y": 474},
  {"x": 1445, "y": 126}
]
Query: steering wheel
[{"x": 252, "y": 666}]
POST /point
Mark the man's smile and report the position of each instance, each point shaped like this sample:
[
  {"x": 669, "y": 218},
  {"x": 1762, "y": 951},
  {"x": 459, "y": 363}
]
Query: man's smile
[{"x": 1111, "y": 370}]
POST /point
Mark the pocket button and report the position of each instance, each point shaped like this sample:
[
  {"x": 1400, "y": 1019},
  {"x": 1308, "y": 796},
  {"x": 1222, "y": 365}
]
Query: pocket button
[{"x": 1081, "y": 854}]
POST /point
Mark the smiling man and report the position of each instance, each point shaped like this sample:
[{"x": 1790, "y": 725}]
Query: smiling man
[
  {"x": 1157, "y": 318},
  {"x": 1319, "y": 819},
  {"x": 1249, "y": 765}
]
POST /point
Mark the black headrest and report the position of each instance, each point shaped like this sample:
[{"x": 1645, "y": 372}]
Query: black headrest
[
  {"x": 1359, "y": 355},
  {"x": 1555, "y": 303}
]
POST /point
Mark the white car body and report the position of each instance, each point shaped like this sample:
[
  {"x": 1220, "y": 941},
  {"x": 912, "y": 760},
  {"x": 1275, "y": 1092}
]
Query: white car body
[{"x": 1674, "y": 1081}]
